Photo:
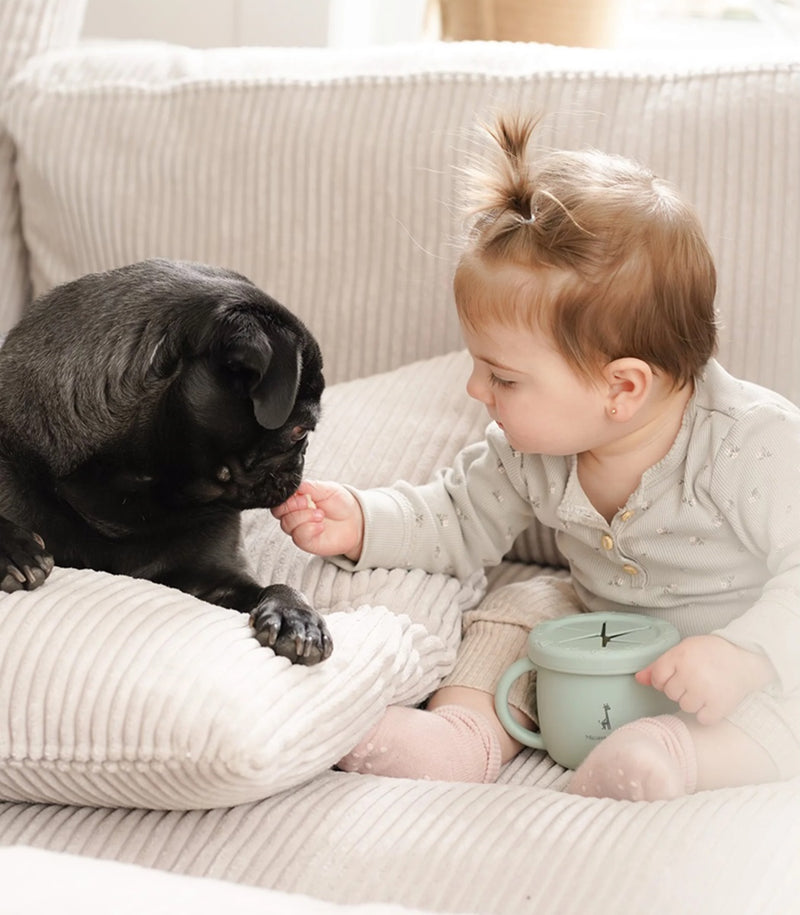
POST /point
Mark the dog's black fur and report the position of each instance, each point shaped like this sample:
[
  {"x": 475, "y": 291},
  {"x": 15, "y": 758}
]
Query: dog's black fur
[{"x": 141, "y": 410}]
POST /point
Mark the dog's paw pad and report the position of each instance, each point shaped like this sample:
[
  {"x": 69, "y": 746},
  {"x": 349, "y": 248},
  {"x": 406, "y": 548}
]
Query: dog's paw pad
[
  {"x": 24, "y": 560},
  {"x": 284, "y": 622}
]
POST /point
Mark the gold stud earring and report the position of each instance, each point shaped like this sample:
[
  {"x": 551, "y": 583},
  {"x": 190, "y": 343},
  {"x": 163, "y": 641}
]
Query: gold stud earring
[{"x": 613, "y": 411}]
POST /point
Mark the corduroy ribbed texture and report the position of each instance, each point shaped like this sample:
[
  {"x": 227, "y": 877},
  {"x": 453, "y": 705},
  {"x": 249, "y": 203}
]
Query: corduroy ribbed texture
[
  {"x": 488, "y": 849},
  {"x": 331, "y": 179},
  {"x": 122, "y": 693},
  {"x": 27, "y": 27}
]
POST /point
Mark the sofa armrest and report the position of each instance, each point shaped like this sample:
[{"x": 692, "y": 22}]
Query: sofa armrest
[{"x": 26, "y": 29}]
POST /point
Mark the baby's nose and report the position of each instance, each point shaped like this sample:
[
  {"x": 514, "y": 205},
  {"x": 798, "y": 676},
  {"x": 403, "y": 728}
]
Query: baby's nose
[{"x": 479, "y": 390}]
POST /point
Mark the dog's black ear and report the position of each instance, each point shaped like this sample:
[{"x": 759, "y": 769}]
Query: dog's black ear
[
  {"x": 275, "y": 392},
  {"x": 270, "y": 372}
]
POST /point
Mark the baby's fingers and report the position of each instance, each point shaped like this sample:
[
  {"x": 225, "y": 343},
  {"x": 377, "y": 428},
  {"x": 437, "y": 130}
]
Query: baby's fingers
[
  {"x": 305, "y": 521},
  {"x": 299, "y": 502},
  {"x": 645, "y": 677},
  {"x": 689, "y": 697},
  {"x": 691, "y": 703},
  {"x": 664, "y": 676},
  {"x": 661, "y": 674}
]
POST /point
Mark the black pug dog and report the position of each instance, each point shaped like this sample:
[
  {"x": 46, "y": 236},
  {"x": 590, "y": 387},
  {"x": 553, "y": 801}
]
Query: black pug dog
[{"x": 141, "y": 410}]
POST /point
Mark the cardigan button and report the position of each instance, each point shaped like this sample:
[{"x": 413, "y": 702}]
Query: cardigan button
[
  {"x": 607, "y": 542},
  {"x": 630, "y": 570}
]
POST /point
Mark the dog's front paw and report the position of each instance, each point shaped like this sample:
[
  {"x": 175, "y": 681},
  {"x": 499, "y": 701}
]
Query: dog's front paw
[
  {"x": 284, "y": 621},
  {"x": 24, "y": 561}
]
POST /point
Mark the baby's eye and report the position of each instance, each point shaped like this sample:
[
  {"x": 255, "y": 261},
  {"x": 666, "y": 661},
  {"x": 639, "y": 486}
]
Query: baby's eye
[{"x": 499, "y": 382}]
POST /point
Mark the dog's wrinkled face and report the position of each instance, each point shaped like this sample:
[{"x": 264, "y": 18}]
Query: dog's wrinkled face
[
  {"x": 233, "y": 427},
  {"x": 172, "y": 387}
]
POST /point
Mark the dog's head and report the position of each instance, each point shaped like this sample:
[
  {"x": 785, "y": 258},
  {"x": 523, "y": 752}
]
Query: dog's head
[
  {"x": 157, "y": 386},
  {"x": 233, "y": 424}
]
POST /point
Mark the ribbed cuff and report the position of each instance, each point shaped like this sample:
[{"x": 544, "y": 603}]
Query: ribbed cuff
[
  {"x": 487, "y": 650},
  {"x": 385, "y": 530}
]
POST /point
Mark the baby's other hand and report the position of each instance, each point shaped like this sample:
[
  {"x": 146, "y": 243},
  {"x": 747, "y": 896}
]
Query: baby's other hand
[
  {"x": 323, "y": 518},
  {"x": 708, "y": 676}
]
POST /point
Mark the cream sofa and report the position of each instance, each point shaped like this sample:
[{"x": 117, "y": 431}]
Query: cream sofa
[{"x": 142, "y": 727}]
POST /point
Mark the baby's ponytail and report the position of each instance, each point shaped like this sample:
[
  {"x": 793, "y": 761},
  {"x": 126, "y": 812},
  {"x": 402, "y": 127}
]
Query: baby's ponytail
[
  {"x": 500, "y": 188},
  {"x": 513, "y": 189}
]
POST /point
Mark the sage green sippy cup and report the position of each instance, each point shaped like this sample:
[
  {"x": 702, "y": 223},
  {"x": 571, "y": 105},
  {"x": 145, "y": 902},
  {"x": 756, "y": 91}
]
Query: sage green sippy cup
[{"x": 585, "y": 686}]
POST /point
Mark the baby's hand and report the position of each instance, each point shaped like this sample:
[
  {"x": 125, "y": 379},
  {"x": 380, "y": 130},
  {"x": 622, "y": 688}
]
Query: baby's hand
[
  {"x": 323, "y": 518},
  {"x": 708, "y": 676}
]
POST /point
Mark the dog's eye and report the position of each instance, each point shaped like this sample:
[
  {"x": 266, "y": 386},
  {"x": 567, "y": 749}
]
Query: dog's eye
[{"x": 299, "y": 433}]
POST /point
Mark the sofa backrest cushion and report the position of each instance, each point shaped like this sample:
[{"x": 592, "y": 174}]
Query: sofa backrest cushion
[
  {"x": 330, "y": 178},
  {"x": 27, "y": 27}
]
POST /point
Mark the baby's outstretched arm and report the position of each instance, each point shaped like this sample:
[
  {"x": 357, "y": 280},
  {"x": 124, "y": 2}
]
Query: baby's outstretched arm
[
  {"x": 323, "y": 518},
  {"x": 708, "y": 676}
]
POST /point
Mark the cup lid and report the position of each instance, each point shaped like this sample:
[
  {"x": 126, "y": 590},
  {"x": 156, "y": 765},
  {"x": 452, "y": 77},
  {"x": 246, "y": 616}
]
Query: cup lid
[{"x": 600, "y": 643}]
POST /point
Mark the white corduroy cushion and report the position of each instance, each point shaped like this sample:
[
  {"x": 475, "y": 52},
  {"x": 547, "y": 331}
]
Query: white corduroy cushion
[
  {"x": 27, "y": 27},
  {"x": 120, "y": 692},
  {"x": 330, "y": 177}
]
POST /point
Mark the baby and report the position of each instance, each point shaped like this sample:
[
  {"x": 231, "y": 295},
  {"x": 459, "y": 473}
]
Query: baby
[{"x": 585, "y": 293}]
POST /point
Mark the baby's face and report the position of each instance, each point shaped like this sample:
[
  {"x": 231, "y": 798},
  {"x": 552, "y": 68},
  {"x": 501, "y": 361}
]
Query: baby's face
[{"x": 539, "y": 401}]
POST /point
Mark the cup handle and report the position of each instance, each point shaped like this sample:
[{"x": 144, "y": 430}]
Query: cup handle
[{"x": 514, "y": 728}]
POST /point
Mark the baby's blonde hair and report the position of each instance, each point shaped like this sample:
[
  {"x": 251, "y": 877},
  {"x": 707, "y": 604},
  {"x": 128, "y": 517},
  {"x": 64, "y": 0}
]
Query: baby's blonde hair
[{"x": 613, "y": 261}]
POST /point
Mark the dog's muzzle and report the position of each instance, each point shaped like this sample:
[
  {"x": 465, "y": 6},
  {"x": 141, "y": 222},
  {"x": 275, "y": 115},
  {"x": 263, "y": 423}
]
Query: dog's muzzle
[{"x": 261, "y": 481}]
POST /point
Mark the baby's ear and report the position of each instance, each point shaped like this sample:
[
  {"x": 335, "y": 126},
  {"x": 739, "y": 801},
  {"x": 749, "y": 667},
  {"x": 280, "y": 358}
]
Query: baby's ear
[{"x": 628, "y": 381}]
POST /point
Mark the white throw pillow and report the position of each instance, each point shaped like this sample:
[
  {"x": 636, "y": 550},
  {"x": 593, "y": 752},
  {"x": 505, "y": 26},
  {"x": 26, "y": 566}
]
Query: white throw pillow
[{"x": 118, "y": 692}]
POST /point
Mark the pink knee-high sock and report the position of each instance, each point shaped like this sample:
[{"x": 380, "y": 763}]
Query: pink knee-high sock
[
  {"x": 450, "y": 743},
  {"x": 646, "y": 760}
]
